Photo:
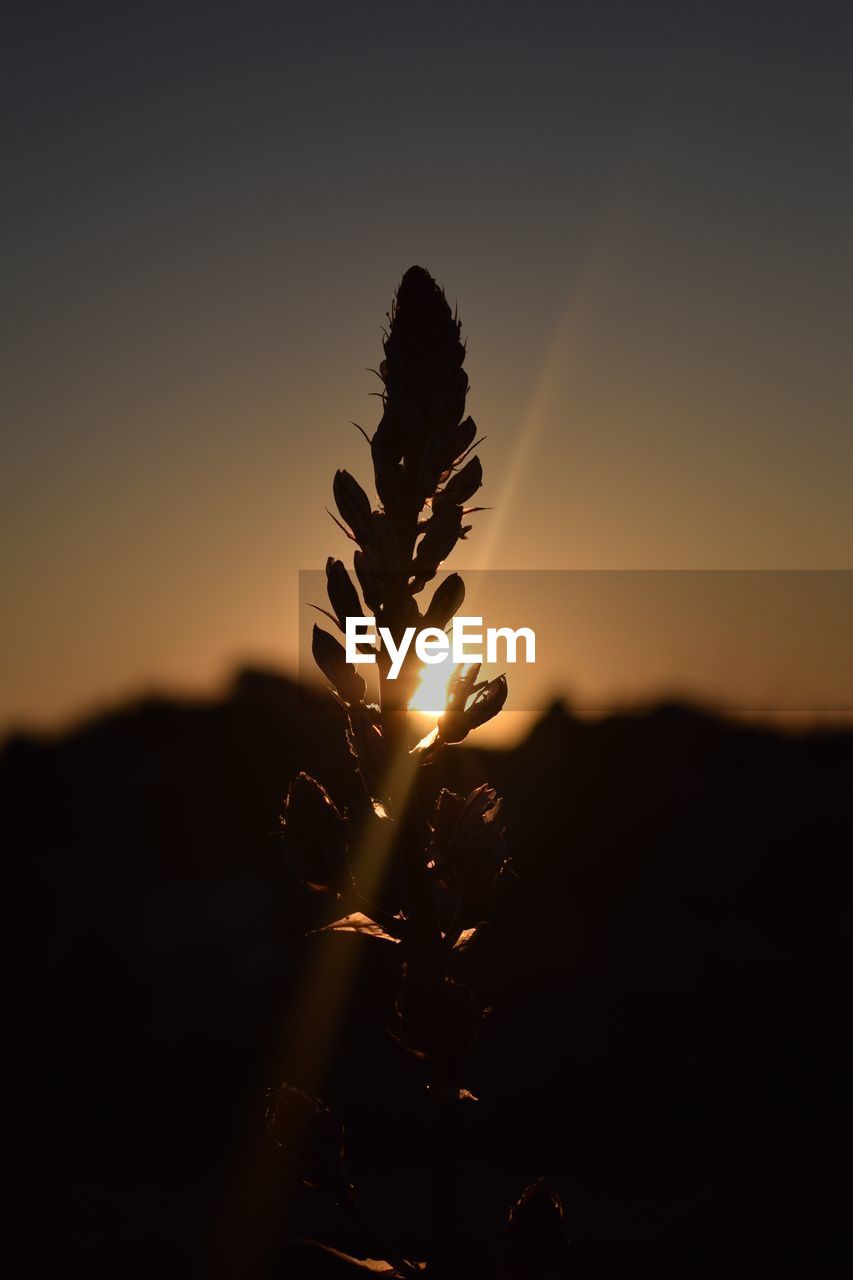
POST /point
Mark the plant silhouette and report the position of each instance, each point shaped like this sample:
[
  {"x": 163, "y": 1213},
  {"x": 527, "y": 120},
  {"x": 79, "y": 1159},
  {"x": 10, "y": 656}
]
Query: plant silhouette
[{"x": 445, "y": 850}]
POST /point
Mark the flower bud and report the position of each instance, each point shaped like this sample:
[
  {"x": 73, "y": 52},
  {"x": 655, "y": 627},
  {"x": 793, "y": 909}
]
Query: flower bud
[
  {"x": 431, "y": 467},
  {"x": 353, "y": 504},
  {"x": 440, "y": 453},
  {"x": 488, "y": 701},
  {"x": 459, "y": 719},
  {"x": 462, "y": 684},
  {"x": 443, "y": 530},
  {"x": 389, "y": 439},
  {"x": 384, "y": 547},
  {"x": 456, "y": 443},
  {"x": 315, "y": 836},
  {"x": 460, "y": 487},
  {"x": 460, "y": 687},
  {"x": 436, "y": 1017},
  {"x": 448, "y": 597},
  {"x": 534, "y": 1243},
  {"x": 392, "y": 486},
  {"x": 331, "y": 658},
  {"x": 369, "y": 579},
  {"x": 423, "y": 350},
  {"x": 467, "y": 848},
  {"x": 366, "y": 744},
  {"x": 343, "y": 596},
  {"x": 308, "y": 1131}
]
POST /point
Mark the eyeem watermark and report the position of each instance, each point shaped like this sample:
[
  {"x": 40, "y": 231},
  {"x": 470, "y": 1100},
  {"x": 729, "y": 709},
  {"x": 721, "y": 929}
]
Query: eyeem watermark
[{"x": 432, "y": 645}]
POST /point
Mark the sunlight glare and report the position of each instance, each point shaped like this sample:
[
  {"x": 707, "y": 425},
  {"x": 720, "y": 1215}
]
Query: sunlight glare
[{"x": 430, "y": 696}]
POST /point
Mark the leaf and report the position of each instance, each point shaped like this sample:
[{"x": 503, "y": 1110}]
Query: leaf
[
  {"x": 375, "y": 1266},
  {"x": 465, "y": 938},
  {"x": 368, "y": 1266},
  {"x": 463, "y": 456},
  {"x": 326, "y": 614},
  {"x": 372, "y": 1266},
  {"x": 343, "y": 528},
  {"x": 426, "y": 748},
  {"x": 362, "y": 430},
  {"x": 357, "y": 922}
]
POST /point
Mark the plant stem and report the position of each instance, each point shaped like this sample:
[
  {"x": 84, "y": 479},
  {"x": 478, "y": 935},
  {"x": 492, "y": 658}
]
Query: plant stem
[
  {"x": 445, "y": 1182},
  {"x": 454, "y": 928},
  {"x": 423, "y": 927}
]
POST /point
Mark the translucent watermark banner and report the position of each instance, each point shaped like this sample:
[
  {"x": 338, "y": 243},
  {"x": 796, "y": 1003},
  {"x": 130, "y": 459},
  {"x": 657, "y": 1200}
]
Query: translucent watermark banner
[{"x": 761, "y": 645}]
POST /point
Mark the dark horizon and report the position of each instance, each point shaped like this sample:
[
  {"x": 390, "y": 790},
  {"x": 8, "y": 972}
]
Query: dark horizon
[
  {"x": 519, "y": 727},
  {"x": 667, "y": 966}
]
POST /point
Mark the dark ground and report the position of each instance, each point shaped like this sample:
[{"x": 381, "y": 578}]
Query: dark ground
[{"x": 670, "y": 976}]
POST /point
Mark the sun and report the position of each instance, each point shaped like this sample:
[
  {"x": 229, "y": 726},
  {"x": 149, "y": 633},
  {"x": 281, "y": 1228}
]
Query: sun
[{"x": 431, "y": 694}]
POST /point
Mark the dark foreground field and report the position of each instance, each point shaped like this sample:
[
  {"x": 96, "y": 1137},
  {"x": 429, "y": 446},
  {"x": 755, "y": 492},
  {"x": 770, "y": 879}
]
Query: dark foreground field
[{"x": 669, "y": 973}]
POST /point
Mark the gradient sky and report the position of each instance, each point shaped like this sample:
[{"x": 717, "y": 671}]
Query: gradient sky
[{"x": 643, "y": 211}]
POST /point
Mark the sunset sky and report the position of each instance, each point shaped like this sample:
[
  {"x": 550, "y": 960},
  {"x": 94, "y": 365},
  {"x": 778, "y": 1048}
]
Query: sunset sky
[{"x": 642, "y": 210}]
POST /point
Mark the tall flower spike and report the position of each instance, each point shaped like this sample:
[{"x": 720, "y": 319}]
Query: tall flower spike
[{"x": 424, "y": 477}]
